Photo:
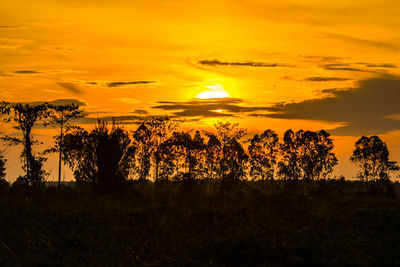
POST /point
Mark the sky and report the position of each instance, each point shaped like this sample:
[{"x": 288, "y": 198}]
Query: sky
[{"x": 277, "y": 65}]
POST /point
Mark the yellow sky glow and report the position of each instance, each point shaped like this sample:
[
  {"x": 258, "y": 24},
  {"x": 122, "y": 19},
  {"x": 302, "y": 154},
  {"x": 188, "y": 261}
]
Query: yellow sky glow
[{"x": 124, "y": 57}]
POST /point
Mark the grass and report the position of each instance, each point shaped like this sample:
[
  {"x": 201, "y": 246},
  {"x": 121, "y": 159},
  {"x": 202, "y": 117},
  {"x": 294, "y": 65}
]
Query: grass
[{"x": 251, "y": 224}]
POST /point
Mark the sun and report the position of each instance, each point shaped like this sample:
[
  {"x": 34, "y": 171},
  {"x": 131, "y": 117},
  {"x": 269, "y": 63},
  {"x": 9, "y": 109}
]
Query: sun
[{"x": 215, "y": 91}]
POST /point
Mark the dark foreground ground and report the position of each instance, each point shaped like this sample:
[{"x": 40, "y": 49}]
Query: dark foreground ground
[{"x": 251, "y": 224}]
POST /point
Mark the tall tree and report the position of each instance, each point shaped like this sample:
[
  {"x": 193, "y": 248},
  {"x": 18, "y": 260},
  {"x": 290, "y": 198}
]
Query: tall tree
[
  {"x": 63, "y": 117},
  {"x": 2, "y": 167},
  {"x": 232, "y": 163},
  {"x": 372, "y": 156},
  {"x": 263, "y": 151},
  {"x": 157, "y": 130},
  {"x": 102, "y": 156},
  {"x": 190, "y": 150},
  {"x": 306, "y": 155},
  {"x": 316, "y": 157},
  {"x": 142, "y": 138},
  {"x": 25, "y": 117},
  {"x": 213, "y": 156},
  {"x": 288, "y": 166},
  {"x": 4, "y": 110}
]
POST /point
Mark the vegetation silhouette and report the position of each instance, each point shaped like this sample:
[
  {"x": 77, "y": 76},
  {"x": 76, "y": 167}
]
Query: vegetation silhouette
[
  {"x": 372, "y": 156},
  {"x": 25, "y": 117},
  {"x": 156, "y": 149},
  {"x": 102, "y": 156},
  {"x": 158, "y": 195},
  {"x": 62, "y": 116}
]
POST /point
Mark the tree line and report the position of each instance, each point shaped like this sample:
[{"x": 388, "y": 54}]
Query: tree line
[{"x": 109, "y": 155}]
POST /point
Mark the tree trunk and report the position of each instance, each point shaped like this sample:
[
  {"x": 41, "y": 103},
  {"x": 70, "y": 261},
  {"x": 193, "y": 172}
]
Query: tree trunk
[{"x": 59, "y": 159}]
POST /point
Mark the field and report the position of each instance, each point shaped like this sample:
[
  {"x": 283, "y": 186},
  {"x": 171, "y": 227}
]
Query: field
[{"x": 274, "y": 223}]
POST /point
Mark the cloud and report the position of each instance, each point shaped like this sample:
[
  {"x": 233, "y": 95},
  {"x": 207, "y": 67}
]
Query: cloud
[
  {"x": 5, "y": 74},
  {"x": 345, "y": 67},
  {"x": 140, "y": 111},
  {"x": 70, "y": 87},
  {"x": 67, "y": 102},
  {"x": 360, "y": 41},
  {"x": 366, "y": 109},
  {"x": 321, "y": 58},
  {"x": 122, "y": 119},
  {"x": 116, "y": 84},
  {"x": 61, "y": 101},
  {"x": 378, "y": 65},
  {"x": 217, "y": 107},
  {"x": 325, "y": 79},
  {"x": 247, "y": 63},
  {"x": 11, "y": 27},
  {"x": 26, "y": 72}
]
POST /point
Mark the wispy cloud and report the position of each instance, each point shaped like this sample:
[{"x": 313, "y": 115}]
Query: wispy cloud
[
  {"x": 217, "y": 107},
  {"x": 61, "y": 101},
  {"x": 140, "y": 111},
  {"x": 116, "y": 84},
  {"x": 215, "y": 62},
  {"x": 10, "y": 27},
  {"x": 325, "y": 79},
  {"x": 346, "y": 67},
  {"x": 378, "y": 65},
  {"x": 70, "y": 87},
  {"x": 361, "y": 41},
  {"x": 26, "y": 72}
]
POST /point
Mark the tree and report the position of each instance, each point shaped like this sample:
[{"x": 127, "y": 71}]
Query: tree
[
  {"x": 288, "y": 166},
  {"x": 263, "y": 152},
  {"x": 232, "y": 164},
  {"x": 2, "y": 167},
  {"x": 213, "y": 156},
  {"x": 63, "y": 117},
  {"x": 142, "y": 139},
  {"x": 25, "y": 117},
  {"x": 4, "y": 110},
  {"x": 102, "y": 156},
  {"x": 372, "y": 156},
  {"x": 151, "y": 134},
  {"x": 316, "y": 157},
  {"x": 189, "y": 150},
  {"x": 306, "y": 155}
]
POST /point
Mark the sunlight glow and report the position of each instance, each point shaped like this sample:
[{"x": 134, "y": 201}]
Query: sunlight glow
[{"x": 215, "y": 91}]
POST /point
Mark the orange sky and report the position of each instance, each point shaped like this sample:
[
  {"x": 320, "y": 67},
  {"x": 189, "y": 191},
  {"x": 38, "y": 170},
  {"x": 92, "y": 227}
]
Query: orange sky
[{"x": 277, "y": 60}]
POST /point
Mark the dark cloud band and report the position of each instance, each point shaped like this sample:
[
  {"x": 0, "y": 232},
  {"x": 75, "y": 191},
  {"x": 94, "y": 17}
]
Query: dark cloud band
[
  {"x": 247, "y": 63},
  {"x": 116, "y": 84}
]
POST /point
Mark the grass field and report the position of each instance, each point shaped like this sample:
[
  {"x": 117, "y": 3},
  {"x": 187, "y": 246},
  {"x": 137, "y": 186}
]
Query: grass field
[{"x": 335, "y": 223}]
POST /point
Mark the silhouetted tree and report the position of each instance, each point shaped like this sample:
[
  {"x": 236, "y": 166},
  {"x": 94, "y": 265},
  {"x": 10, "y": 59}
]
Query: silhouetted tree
[
  {"x": 316, "y": 157},
  {"x": 63, "y": 117},
  {"x": 2, "y": 167},
  {"x": 4, "y": 110},
  {"x": 189, "y": 150},
  {"x": 289, "y": 164},
  {"x": 142, "y": 139},
  {"x": 232, "y": 164},
  {"x": 169, "y": 160},
  {"x": 306, "y": 155},
  {"x": 197, "y": 149},
  {"x": 153, "y": 132},
  {"x": 25, "y": 117},
  {"x": 102, "y": 156},
  {"x": 213, "y": 156},
  {"x": 372, "y": 156},
  {"x": 263, "y": 151}
]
